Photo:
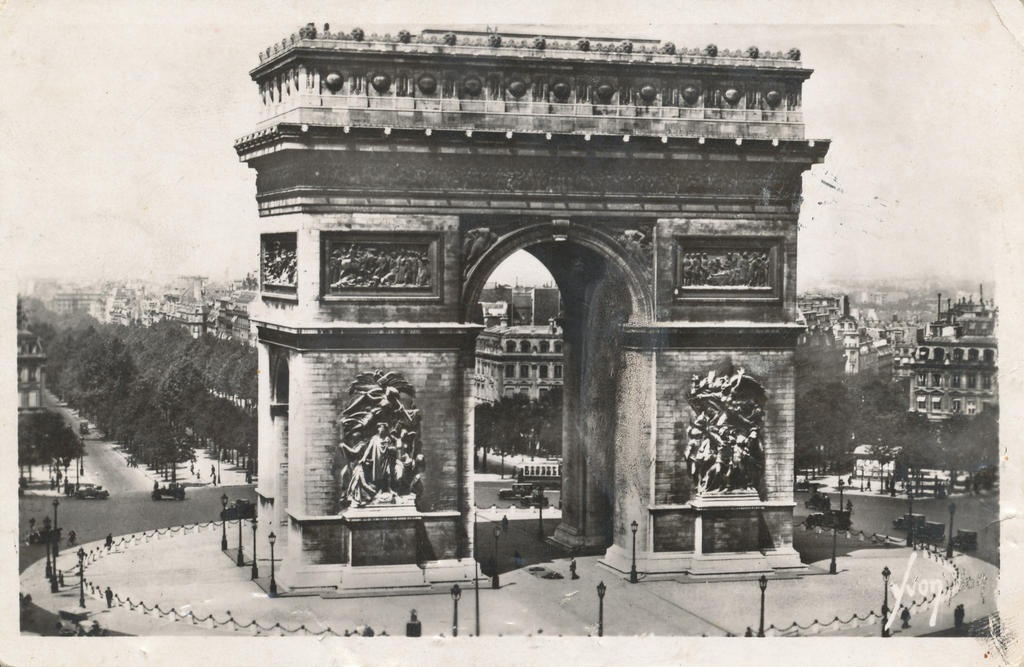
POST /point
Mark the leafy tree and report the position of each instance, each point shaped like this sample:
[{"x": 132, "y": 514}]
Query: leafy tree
[{"x": 44, "y": 437}]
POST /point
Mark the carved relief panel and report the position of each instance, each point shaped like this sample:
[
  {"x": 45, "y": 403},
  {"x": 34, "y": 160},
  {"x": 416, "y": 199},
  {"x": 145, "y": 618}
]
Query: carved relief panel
[
  {"x": 710, "y": 268},
  {"x": 380, "y": 266},
  {"x": 278, "y": 263}
]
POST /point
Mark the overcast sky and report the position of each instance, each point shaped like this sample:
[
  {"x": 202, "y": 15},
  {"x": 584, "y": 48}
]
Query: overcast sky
[{"x": 119, "y": 118}]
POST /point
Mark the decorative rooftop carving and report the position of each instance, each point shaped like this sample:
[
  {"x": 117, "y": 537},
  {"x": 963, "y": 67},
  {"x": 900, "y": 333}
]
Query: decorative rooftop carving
[
  {"x": 540, "y": 84},
  {"x": 514, "y": 41}
]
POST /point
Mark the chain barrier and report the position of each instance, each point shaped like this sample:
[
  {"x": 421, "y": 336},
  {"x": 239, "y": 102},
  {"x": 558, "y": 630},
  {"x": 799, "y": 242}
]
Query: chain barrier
[
  {"x": 954, "y": 583},
  {"x": 116, "y": 599}
]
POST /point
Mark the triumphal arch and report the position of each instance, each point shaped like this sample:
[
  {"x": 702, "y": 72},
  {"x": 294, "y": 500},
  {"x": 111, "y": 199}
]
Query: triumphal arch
[{"x": 660, "y": 185}]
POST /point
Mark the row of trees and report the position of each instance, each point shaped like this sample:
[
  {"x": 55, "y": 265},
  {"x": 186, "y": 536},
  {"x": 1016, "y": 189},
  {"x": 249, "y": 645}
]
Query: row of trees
[
  {"x": 836, "y": 414},
  {"x": 517, "y": 425},
  {"x": 156, "y": 390}
]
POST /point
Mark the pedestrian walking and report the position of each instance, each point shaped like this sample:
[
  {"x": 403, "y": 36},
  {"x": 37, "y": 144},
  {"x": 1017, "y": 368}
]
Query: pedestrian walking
[
  {"x": 60, "y": 578},
  {"x": 109, "y": 542},
  {"x": 504, "y": 524},
  {"x": 572, "y": 569},
  {"x": 109, "y": 594},
  {"x": 958, "y": 616},
  {"x": 905, "y": 617}
]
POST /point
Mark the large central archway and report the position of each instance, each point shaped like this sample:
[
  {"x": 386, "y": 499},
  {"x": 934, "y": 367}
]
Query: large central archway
[{"x": 603, "y": 287}]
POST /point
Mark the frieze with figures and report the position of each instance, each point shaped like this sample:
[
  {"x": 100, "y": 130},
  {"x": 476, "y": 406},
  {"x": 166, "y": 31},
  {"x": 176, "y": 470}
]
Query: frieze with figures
[
  {"x": 278, "y": 262},
  {"x": 732, "y": 268},
  {"x": 360, "y": 265},
  {"x": 727, "y": 268}
]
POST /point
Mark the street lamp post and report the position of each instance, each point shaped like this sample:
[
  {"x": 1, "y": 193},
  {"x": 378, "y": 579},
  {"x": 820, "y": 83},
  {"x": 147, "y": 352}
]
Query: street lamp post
[
  {"x": 224, "y": 525},
  {"x": 49, "y": 536},
  {"x": 476, "y": 577},
  {"x": 81, "y": 577},
  {"x": 910, "y": 512},
  {"x": 762, "y": 584},
  {"x": 56, "y": 547},
  {"x": 255, "y": 570},
  {"x": 632, "y": 568},
  {"x": 601, "y": 588},
  {"x": 273, "y": 584},
  {"x": 502, "y": 463},
  {"x": 495, "y": 582},
  {"x": 832, "y": 563},
  {"x": 885, "y": 601},
  {"x": 456, "y": 594},
  {"x": 949, "y": 542},
  {"x": 540, "y": 519},
  {"x": 240, "y": 561}
]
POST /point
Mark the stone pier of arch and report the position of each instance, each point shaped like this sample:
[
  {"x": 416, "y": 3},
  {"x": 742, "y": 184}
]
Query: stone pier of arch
[{"x": 619, "y": 172}]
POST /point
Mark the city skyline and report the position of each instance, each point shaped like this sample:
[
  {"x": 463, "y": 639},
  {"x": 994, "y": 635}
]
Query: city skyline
[{"x": 148, "y": 183}]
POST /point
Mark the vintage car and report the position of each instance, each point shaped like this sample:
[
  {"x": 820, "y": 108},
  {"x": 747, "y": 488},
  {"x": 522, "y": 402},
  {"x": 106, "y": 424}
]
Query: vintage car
[
  {"x": 92, "y": 492},
  {"x": 904, "y": 522},
  {"x": 965, "y": 540},
  {"x": 517, "y": 492},
  {"x": 840, "y": 520},
  {"x": 933, "y": 532},
  {"x": 242, "y": 509},
  {"x": 173, "y": 490},
  {"x": 45, "y": 536},
  {"x": 536, "y": 499},
  {"x": 818, "y": 501}
]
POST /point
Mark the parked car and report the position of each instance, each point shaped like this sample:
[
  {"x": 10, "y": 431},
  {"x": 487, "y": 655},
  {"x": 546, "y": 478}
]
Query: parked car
[
  {"x": 92, "y": 492},
  {"x": 242, "y": 509},
  {"x": 965, "y": 540},
  {"x": 518, "y": 491},
  {"x": 173, "y": 490}
]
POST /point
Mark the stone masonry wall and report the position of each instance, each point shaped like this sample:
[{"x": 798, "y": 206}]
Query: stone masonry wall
[{"x": 319, "y": 393}]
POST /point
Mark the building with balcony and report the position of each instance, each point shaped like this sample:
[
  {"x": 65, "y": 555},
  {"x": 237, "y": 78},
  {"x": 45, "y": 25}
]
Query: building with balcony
[
  {"x": 229, "y": 317},
  {"x": 521, "y": 359},
  {"x": 955, "y": 368},
  {"x": 31, "y": 370}
]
